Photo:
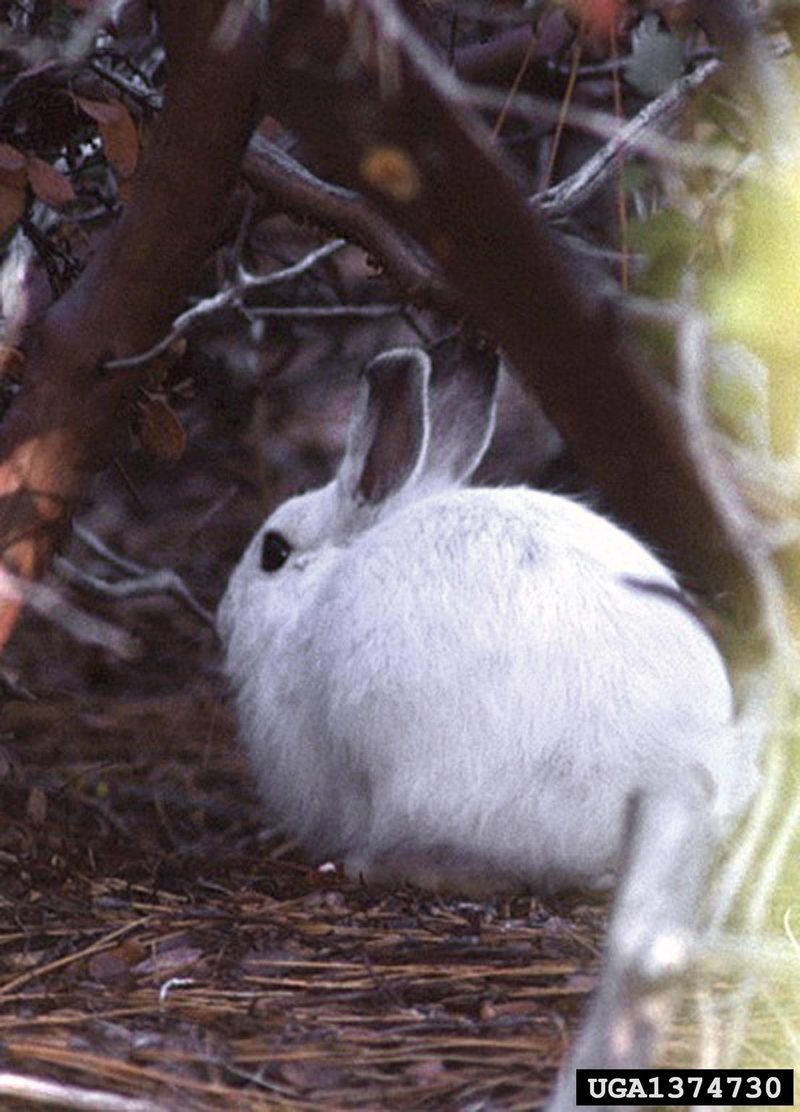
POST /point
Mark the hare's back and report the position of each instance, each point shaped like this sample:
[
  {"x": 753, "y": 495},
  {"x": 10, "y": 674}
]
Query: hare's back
[
  {"x": 501, "y": 545},
  {"x": 495, "y": 595}
]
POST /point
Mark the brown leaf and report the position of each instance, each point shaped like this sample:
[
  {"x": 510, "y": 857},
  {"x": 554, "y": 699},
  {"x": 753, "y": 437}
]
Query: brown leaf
[
  {"x": 118, "y": 132},
  {"x": 110, "y": 964},
  {"x": 49, "y": 184},
  {"x": 107, "y": 966},
  {"x": 13, "y": 166},
  {"x": 160, "y": 430},
  {"x": 181, "y": 957},
  {"x": 121, "y": 141},
  {"x": 101, "y": 111},
  {"x": 12, "y": 205}
]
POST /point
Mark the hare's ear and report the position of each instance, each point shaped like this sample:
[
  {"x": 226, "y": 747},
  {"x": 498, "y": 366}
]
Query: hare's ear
[
  {"x": 461, "y": 400},
  {"x": 389, "y": 427}
]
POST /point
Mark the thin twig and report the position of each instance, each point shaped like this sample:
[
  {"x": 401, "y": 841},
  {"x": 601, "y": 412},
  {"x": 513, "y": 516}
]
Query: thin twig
[
  {"x": 135, "y": 89},
  {"x": 604, "y": 125},
  {"x": 232, "y": 297},
  {"x": 164, "y": 581},
  {"x": 94, "y": 544},
  {"x": 69, "y": 959},
  {"x": 314, "y": 312},
  {"x": 580, "y": 187},
  {"x": 142, "y": 581}
]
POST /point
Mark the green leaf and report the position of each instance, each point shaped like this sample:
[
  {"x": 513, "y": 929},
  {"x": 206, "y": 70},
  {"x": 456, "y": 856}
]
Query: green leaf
[{"x": 666, "y": 239}]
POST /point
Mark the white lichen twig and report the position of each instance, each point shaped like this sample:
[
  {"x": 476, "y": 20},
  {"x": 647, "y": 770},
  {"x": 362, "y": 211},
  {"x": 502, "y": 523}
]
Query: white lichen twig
[{"x": 576, "y": 190}]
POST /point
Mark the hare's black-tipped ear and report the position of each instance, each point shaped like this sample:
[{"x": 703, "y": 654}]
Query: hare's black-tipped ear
[
  {"x": 389, "y": 427},
  {"x": 461, "y": 405}
]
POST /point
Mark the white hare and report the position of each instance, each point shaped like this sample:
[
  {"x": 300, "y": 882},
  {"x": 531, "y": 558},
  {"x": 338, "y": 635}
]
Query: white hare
[{"x": 461, "y": 687}]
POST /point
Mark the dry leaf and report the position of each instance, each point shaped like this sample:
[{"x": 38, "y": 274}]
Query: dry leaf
[
  {"x": 170, "y": 961},
  {"x": 118, "y": 132},
  {"x": 160, "y": 431},
  {"x": 13, "y": 166},
  {"x": 12, "y": 205},
  {"x": 113, "y": 963},
  {"x": 121, "y": 141},
  {"x": 107, "y": 966},
  {"x": 49, "y": 184},
  {"x": 101, "y": 111}
]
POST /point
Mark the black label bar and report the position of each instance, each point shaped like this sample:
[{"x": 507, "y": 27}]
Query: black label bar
[{"x": 734, "y": 1088}]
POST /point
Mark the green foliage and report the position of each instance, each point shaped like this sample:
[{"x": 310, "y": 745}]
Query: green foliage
[
  {"x": 666, "y": 240},
  {"x": 755, "y": 299}
]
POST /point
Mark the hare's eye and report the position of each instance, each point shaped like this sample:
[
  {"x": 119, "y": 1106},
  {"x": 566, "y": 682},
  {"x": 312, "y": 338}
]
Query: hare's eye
[{"x": 275, "y": 551}]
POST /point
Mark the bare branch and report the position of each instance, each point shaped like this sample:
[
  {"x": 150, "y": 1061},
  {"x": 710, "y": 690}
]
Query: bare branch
[
  {"x": 323, "y": 312},
  {"x": 54, "y": 607},
  {"x": 231, "y": 297},
  {"x": 603, "y": 125},
  {"x": 581, "y": 186},
  {"x": 287, "y": 185}
]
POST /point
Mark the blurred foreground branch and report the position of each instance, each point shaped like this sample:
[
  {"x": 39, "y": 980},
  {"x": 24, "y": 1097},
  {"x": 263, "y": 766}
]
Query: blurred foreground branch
[{"x": 652, "y": 936}]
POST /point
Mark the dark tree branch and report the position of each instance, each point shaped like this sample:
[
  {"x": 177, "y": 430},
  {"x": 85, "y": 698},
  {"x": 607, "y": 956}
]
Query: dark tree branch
[
  {"x": 381, "y": 115},
  {"x": 60, "y": 427},
  {"x": 285, "y": 184}
]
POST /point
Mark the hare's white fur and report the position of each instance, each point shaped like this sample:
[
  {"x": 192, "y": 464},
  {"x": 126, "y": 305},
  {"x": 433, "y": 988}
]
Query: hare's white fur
[{"x": 461, "y": 687}]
